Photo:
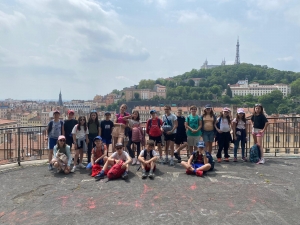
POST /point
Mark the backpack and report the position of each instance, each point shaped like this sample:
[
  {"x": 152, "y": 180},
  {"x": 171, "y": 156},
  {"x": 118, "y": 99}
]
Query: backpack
[
  {"x": 116, "y": 171},
  {"x": 254, "y": 154},
  {"x": 51, "y": 125},
  {"x": 145, "y": 154},
  {"x": 209, "y": 157},
  {"x": 137, "y": 135},
  {"x": 154, "y": 131}
]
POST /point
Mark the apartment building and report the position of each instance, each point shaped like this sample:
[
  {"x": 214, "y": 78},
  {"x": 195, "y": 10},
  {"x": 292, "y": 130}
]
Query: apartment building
[
  {"x": 6, "y": 128},
  {"x": 242, "y": 87},
  {"x": 158, "y": 90}
]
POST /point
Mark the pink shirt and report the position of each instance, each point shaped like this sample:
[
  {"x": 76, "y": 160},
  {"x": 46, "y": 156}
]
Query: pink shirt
[{"x": 120, "y": 118}]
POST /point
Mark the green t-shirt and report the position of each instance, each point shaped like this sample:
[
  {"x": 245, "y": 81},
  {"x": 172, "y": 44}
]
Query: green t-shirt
[{"x": 193, "y": 122}]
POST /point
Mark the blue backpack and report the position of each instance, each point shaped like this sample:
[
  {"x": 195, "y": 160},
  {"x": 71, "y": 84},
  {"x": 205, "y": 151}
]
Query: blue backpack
[
  {"x": 209, "y": 157},
  {"x": 254, "y": 154}
]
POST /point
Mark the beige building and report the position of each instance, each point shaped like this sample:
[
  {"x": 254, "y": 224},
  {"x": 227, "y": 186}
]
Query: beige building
[
  {"x": 243, "y": 88},
  {"x": 7, "y": 127},
  {"x": 158, "y": 90}
]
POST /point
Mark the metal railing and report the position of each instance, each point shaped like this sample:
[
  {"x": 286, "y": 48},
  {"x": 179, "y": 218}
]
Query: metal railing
[{"x": 30, "y": 143}]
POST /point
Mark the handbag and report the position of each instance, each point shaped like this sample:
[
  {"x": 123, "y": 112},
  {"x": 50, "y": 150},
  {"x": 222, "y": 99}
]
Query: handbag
[{"x": 62, "y": 157}]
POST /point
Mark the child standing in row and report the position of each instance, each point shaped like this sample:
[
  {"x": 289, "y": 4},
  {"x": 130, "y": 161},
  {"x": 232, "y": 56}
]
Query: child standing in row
[
  {"x": 223, "y": 127},
  {"x": 80, "y": 140},
  {"x": 106, "y": 127},
  {"x": 94, "y": 131},
  {"x": 135, "y": 136},
  {"x": 259, "y": 126},
  {"x": 239, "y": 127}
]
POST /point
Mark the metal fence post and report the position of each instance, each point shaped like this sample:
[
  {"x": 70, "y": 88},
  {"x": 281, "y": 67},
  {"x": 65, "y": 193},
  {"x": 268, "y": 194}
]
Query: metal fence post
[{"x": 19, "y": 146}]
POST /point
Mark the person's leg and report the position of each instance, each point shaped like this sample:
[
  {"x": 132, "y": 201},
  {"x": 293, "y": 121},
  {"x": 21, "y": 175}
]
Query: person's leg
[
  {"x": 75, "y": 160},
  {"x": 167, "y": 148},
  {"x": 221, "y": 144},
  {"x": 115, "y": 141},
  {"x": 131, "y": 152},
  {"x": 243, "y": 144},
  {"x": 186, "y": 165},
  {"x": 89, "y": 151},
  {"x": 50, "y": 154},
  {"x": 159, "y": 149},
  {"x": 226, "y": 142},
  {"x": 143, "y": 166},
  {"x": 205, "y": 167},
  {"x": 138, "y": 148},
  {"x": 235, "y": 148},
  {"x": 259, "y": 143}
]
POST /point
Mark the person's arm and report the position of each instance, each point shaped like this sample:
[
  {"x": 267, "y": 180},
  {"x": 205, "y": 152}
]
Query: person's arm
[
  {"x": 129, "y": 160},
  {"x": 205, "y": 159},
  {"x": 63, "y": 130},
  {"x": 104, "y": 154},
  {"x": 175, "y": 125},
  {"x": 47, "y": 132},
  {"x": 147, "y": 127},
  {"x": 266, "y": 124},
  {"x": 141, "y": 158},
  {"x": 54, "y": 151},
  {"x": 100, "y": 129},
  {"x": 199, "y": 124},
  {"x": 217, "y": 120},
  {"x": 186, "y": 124},
  {"x": 190, "y": 159},
  {"x": 234, "y": 129},
  {"x": 68, "y": 151},
  {"x": 74, "y": 136},
  {"x": 92, "y": 159}
]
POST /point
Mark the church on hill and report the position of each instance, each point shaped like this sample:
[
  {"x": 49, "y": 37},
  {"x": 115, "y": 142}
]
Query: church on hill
[{"x": 223, "y": 63}]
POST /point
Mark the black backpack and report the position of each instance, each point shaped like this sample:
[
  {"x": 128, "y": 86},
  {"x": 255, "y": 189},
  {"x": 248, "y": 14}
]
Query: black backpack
[{"x": 145, "y": 154}]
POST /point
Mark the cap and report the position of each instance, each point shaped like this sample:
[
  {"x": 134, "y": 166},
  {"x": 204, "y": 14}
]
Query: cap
[
  {"x": 97, "y": 138},
  {"x": 61, "y": 137},
  {"x": 56, "y": 111},
  {"x": 107, "y": 113},
  {"x": 208, "y": 106},
  {"x": 152, "y": 111},
  {"x": 119, "y": 145},
  {"x": 201, "y": 144},
  {"x": 240, "y": 110},
  {"x": 226, "y": 109},
  {"x": 71, "y": 111}
]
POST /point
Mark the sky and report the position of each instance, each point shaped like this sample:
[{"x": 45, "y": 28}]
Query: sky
[{"x": 90, "y": 47}]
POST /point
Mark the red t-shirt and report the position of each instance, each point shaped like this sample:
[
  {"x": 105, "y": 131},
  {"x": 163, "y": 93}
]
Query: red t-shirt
[
  {"x": 200, "y": 159},
  {"x": 97, "y": 153}
]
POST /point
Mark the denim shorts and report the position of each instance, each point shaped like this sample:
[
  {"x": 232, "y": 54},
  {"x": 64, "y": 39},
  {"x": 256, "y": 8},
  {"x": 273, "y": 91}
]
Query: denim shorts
[
  {"x": 106, "y": 141},
  {"x": 197, "y": 165},
  {"x": 208, "y": 136},
  {"x": 100, "y": 162},
  {"x": 51, "y": 143}
]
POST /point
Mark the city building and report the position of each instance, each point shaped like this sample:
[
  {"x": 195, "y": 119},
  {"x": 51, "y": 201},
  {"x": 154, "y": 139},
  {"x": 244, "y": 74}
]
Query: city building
[
  {"x": 158, "y": 90},
  {"x": 242, "y": 87},
  {"x": 7, "y": 127}
]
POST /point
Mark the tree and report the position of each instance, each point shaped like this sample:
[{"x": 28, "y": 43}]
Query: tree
[
  {"x": 115, "y": 91},
  {"x": 228, "y": 91},
  {"x": 146, "y": 84},
  {"x": 295, "y": 88},
  {"x": 191, "y": 83},
  {"x": 136, "y": 96},
  {"x": 102, "y": 107}
]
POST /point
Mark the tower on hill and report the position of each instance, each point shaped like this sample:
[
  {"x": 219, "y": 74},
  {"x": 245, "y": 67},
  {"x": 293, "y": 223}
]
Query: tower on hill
[
  {"x": 60, "y": 102},
  {"x": 237, "y": 54}
]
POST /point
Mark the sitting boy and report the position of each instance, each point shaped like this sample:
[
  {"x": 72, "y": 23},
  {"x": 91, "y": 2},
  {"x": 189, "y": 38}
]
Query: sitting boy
[
  {"x": 198, "y": 162},
  {"x": 148, "y": 159},
  {"x": 98, "y": 153},
  {"x": 116, "y": 157}
]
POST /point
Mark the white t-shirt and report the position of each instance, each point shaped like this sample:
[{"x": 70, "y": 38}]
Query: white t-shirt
[
  {"x": 170, "y": 120},
  {"x": 133, "y": 122},
  {"x": 124, "y": 156},
  {"x": 224, "y": 126},
  {"x": 240, "y": 125},
  {"x": 80, "y": 134},
  {"x": 154, "y": 153}
]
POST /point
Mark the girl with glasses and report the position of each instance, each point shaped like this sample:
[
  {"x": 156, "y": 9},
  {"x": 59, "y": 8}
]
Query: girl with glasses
[{"x": 62, "y": 156}]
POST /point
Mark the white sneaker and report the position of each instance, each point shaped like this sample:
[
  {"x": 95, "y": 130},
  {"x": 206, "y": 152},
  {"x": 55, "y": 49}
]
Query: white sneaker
[
  {"x": 81, "y": 166},
  {"x": 171, "y": 162},
  {"x": 262, "y": 160},
  {"x": 161, "y": 160},
  {"x": 138, "y": 162},
  {"x": 73, "y": 169},
  {"x": 133, "y": 161}
]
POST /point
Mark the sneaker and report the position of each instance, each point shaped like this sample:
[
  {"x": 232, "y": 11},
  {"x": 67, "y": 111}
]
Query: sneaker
[
  {"x": 125, "y": 175},
  {"x": 161, "y": 160},
  {"x": 261, "y": 161},
  {"x": 199, "y": 173},
  {"x": 226, "y": 160},
  {"x": 73, "y": 169},
  {"x": 50, "y": 167},
  {"x": 81, "y": 166},
  {"x": 244, "y": 159},
  {"x": 235, "y": 159},
  {"x": 151, "y": 174},
  {"x": 171, "y": 162},
  {"x": 166, "y": 160},
  {"x": 144, "y": 175},
  {"x": 138, "y": 162},
  {"x": 188, "y": 172},
  {"x": 219, "y": 160},
  {"x": 177, "y": 156},
  {"x": 100, "y": 175},
  {"x": 133, "y": 161}
]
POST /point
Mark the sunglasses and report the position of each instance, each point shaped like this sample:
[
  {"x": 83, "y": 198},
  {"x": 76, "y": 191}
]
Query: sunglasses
[
  {"x": 62, "y": 140},
  {"x": 119, "y": 148},
  {"x": 257, "y": 104}
]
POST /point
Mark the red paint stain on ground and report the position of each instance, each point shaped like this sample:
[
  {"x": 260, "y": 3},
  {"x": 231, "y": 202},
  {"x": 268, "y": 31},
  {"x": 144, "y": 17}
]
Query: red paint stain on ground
[
  {"x": 92, "y": 204},
  {"x": 2, "y": 214},
  {"x": 137, "y": 205},
  {"x": 64, "y": 200},
  {"x": 193, "y": 187},
  {"x": 230, "y": 204}
]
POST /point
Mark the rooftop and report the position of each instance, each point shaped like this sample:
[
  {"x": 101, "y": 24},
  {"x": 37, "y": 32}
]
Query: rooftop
[{"x": 235, "y": 193}]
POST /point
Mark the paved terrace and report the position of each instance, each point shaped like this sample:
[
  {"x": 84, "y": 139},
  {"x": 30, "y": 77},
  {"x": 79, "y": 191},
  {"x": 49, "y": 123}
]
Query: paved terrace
[{"x": 235, "y": 193}]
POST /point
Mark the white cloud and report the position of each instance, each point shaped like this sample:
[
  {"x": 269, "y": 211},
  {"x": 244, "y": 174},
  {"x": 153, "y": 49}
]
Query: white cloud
[
  {"x": 10, "y": 20},
  {"x": 269, "y": 4},
  {"x": 285, "y": 59},
  {"x": 293, "y": 14}
]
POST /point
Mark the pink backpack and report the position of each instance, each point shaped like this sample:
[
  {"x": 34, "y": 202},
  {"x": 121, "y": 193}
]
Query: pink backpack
[{"x": 137, "y": 135}]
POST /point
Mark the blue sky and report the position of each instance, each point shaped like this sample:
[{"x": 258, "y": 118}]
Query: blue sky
[{"x": 89, "y": 47}]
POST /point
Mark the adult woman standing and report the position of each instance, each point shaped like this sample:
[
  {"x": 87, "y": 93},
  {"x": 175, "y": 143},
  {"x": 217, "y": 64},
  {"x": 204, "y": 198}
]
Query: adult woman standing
[{"x": 120, "y": 123}]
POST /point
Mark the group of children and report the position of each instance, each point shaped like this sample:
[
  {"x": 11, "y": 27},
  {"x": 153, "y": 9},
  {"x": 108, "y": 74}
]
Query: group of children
[{"x": 176, "y": 131}]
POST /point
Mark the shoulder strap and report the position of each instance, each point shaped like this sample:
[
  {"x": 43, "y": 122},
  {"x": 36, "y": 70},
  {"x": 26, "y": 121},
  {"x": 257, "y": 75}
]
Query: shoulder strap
[{"x": 167, "y": 119}]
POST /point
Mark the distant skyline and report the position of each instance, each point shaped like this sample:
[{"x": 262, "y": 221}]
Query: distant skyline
[{"x": 89, "y": 47}]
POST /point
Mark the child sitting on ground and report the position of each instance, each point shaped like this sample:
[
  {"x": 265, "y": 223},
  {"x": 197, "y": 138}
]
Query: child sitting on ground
[
  {"x": 98, "y": 153},
  {"x": 198, "y": 162},
  {"x": 148, "y": 158}
]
